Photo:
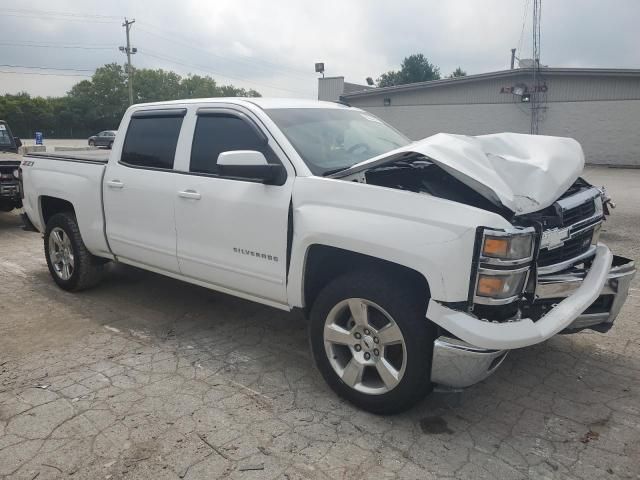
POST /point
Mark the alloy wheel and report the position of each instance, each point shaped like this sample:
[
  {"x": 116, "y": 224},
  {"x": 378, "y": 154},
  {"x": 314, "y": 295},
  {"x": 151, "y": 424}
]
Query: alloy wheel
[
  {"x": 365, "y": 346},
  {"x": 61, "y": 253}
]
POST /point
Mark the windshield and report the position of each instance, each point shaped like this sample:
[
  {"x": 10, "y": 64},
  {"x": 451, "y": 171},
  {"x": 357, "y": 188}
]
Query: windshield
[
  {"x": 5, "y": 137},
  {"x": 331, "y": 139}
]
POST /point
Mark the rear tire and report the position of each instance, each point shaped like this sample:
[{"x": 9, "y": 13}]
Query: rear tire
[
  {"x": 71, "y": 265},
  {"x": 383, "y": 383}
]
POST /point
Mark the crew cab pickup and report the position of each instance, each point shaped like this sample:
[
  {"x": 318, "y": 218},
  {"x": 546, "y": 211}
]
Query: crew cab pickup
[
  {"x": 419, "y": 264},
  {"x": 10, "y": 197}
]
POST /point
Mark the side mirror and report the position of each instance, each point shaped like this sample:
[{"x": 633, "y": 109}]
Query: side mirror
[
  {"x": 250, "y": 165},
  {"x": 17, "y": 141}
]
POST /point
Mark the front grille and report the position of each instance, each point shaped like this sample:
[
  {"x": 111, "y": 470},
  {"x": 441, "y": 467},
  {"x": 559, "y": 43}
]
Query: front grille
[
  {"x": 572, "y": 248},
  {"x": 579, "y": 213}
]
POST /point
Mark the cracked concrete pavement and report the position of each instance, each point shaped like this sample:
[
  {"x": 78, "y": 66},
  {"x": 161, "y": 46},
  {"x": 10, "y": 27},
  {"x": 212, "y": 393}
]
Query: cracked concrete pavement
[{"x": 147, "y": 377}]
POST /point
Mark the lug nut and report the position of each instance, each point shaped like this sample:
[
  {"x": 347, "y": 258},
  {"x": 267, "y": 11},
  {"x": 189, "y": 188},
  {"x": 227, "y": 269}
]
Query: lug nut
[
  {"x": 376, "y": 340},
  {"x": 366, "y": 331},
  {"x": 357, "y": 348},
  {"x": 367, "y": 355},
  {"x": 376, "y": 352},
  {"x": 357, "y": 335}
]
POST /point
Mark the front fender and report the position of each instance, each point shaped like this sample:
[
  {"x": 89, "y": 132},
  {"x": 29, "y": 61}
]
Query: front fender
[{"x": 430, "y": 235}]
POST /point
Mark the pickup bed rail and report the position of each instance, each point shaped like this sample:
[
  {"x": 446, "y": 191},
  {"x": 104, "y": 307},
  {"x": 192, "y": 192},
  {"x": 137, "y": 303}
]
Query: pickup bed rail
[{"x": 98, "y": 156}]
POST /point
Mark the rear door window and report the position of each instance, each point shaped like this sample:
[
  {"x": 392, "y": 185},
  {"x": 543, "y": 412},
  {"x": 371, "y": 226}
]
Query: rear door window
[{"x": 151, "y": 141}]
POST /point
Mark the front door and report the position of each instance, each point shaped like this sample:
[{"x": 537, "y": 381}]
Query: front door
[
  {"x": 232, "y": 234},
  {"x": 139, "y": 192}
]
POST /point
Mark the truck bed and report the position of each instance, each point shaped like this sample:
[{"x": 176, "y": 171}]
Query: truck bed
[
  {"x": 73, "y": 177},
  {"x": 90, "y": 156}
]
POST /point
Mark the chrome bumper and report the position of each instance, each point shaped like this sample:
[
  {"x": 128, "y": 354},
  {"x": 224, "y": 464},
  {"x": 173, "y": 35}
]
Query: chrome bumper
[
  {"x": 606, "y": 308},
  {"x": 459, "y": 364},
  {"x": 456, "y": 364},
  {"x": 9, "y": 189}
]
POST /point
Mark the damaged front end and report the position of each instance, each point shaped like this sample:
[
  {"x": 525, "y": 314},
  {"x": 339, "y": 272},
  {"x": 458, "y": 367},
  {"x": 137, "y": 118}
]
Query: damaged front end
[
  {"x": 547, "y": 274},
  {"x": 564, "y": 282}
]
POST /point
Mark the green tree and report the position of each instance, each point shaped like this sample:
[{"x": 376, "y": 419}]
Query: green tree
[
  {"x": 414, "y": 68},
  {"x": 156, "y": 85},
  {"x": 458, "y": 72},
  {"x": 195, "y": 86},
  {"x": 99, "y": 103}
]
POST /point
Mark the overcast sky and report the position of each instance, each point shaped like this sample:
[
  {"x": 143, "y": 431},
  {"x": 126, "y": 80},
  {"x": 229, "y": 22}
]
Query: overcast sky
[{"x": 271, "y": 46}]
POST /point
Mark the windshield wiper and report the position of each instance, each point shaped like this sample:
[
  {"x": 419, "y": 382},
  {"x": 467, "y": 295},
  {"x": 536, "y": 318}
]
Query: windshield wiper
[{"x": 336, "y": 170}]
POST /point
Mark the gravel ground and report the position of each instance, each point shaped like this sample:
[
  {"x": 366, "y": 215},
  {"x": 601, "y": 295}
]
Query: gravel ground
[{"x": 147, "y": 377}]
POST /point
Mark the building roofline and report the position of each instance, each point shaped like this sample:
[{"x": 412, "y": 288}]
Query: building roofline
[{"x": 612, "y": 72}]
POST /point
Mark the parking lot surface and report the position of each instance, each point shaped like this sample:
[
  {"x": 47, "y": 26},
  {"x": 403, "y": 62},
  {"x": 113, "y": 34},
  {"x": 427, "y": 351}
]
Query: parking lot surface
[{"x": 147, "y": 377}]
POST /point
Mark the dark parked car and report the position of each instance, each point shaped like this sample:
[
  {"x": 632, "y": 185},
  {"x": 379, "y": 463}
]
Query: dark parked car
[
  {"x": 10, "y": 197},
  {"x": 103, "y": 139}
]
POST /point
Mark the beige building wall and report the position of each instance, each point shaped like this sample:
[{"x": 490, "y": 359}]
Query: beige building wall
[{"x": 602, "y": 113}]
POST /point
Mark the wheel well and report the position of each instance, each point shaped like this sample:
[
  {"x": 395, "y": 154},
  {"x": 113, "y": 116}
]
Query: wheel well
[
  {"x": 325, "y": 263},
  {"x": 52, "y": 205}
]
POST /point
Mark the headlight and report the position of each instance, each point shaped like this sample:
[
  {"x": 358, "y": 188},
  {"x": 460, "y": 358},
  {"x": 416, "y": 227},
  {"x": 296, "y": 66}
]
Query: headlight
[
  {"x": 505, "y": 258},
  {"x": 16, "y": 173},
  {"x": 501, "y": 284},
  {"x": 598, "y": 205},
  {"x": 508, "y": 246}
]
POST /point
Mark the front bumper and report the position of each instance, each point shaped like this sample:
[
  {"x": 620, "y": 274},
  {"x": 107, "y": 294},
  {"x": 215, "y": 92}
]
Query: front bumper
[
  {"x": 555, "y": 287},
  {"x": 9, "y": 189},
  {"x": 576, "y": 299},
  {"x": 457, "y": 364}
]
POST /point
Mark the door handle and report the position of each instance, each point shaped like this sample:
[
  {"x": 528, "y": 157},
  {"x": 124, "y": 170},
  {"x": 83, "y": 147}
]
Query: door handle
[
  {"x": 115, "y": 184},
  {"x": 192, "y": 194}
]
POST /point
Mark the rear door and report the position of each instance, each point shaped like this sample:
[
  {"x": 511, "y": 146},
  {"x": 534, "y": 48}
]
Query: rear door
[
  {"x": 139, "y": 191},
  {"x": 232, "y": 233}
]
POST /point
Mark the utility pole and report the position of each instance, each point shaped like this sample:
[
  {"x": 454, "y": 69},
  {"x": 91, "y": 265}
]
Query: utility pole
[
  {"x": 513, "y": 58},
  {"x": 129, "y": 51},
  {"x": 535, "y": 95}
]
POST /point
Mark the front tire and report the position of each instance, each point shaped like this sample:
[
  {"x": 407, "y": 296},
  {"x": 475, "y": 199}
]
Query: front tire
[
  {"x": 372, "y": 342},
  {"x": 71, "y": 265},
  {"x": 92, "y": 143}
]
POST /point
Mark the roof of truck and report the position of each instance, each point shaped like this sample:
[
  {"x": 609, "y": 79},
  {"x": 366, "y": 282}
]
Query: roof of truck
[{"x": 261, "y": 102}]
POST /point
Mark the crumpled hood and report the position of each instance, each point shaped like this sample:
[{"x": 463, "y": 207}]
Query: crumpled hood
[{"x": 525, "y": 173}]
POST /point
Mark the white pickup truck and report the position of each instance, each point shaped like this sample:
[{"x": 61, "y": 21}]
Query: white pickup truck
[{"x": 419, "y": 264}]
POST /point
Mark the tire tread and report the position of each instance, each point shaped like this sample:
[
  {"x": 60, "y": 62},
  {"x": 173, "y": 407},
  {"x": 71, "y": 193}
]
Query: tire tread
[{"x": 88, "y": 268}]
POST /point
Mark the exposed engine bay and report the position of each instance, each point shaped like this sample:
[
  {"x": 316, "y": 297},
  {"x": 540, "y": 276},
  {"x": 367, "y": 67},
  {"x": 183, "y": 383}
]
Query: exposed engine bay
[
  {"x": 568, "y": 231},
  {"x": 416, "y": 173}
]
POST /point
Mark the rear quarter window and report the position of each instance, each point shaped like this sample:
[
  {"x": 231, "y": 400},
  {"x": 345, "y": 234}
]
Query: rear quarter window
[{"x": 151, "y": 141}]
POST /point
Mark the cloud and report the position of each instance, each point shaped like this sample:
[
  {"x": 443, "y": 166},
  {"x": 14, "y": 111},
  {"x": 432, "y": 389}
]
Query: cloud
[{"x": 272, "y": 46}]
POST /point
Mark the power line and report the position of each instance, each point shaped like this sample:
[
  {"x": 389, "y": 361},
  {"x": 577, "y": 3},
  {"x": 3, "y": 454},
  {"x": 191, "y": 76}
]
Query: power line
[
  {"x": 524, "y": 21},
  {"x": 49, "y": 68},
  {"x": 47, "y": 74},
  {"x": 66, "y": 14},
  {"x": 71, "y": 16},
  {"x": 54, "y": 45},
  {"x": 205, "y": 69},
  {"x": 56, "y": 17},
  {"x": 253, "y": 62}
]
